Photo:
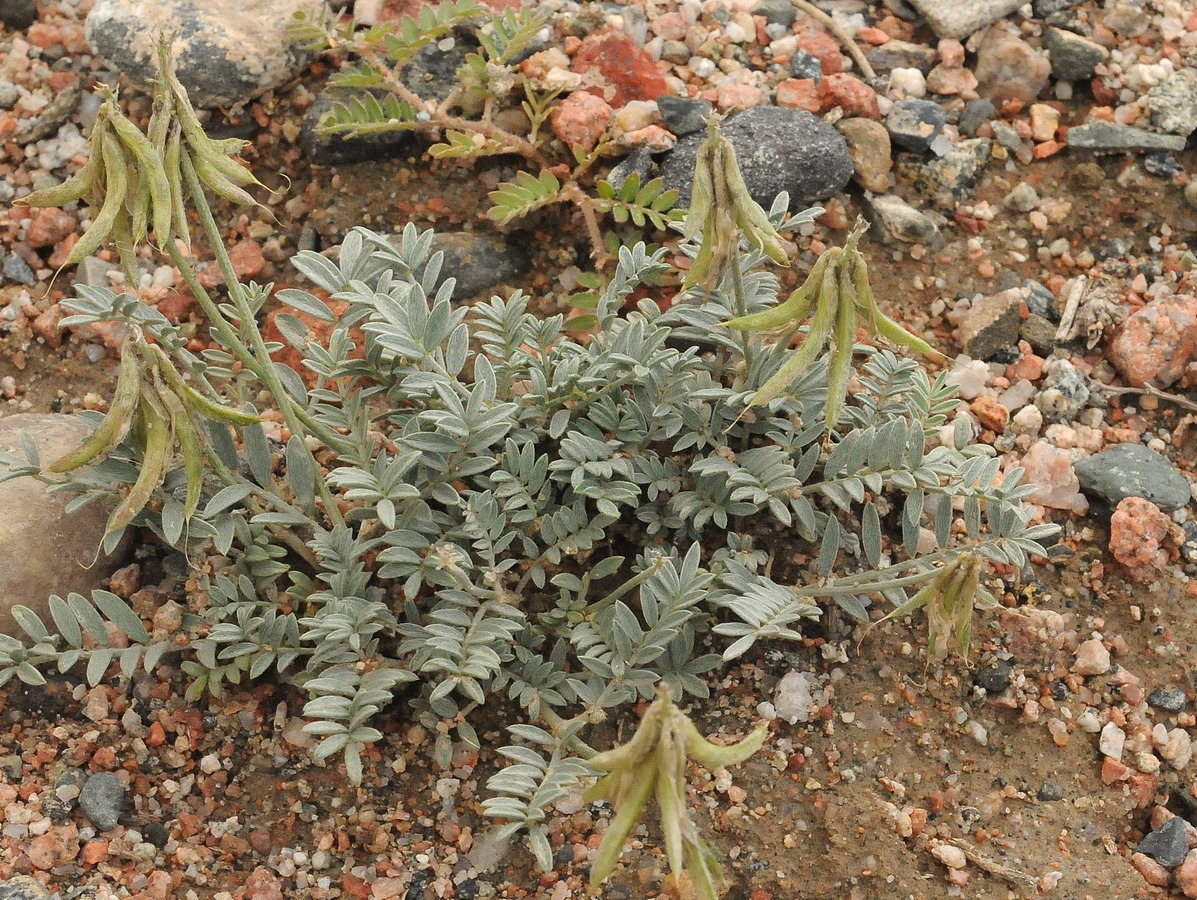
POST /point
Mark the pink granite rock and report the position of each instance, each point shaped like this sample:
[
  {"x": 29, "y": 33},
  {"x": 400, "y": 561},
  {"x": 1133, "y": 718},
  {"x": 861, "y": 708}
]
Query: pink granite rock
[
  {"x": 1050, "y": 470},
  {"x": 1157, "y": 343},
  {"x": 1138, "y": 530},
  {"x": 581, "y": 119}
]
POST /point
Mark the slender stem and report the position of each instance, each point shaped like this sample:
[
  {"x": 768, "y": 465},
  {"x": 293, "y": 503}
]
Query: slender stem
[{"x": 259, "y": 362}]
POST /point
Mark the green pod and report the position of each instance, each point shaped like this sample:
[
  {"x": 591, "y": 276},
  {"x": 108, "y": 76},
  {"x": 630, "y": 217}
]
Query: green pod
[
  {"x": 115, "y": 425},
  {"x": 839, "y": 369},
  {"x": 214, "y": 411},
  {"x": 794, "y": 311},
  {"x": 186, "y": 432},
  {"x": 154, "y": 463},
  {"x": 621, "y": 826},
  {"x": 116, "y": 184}
]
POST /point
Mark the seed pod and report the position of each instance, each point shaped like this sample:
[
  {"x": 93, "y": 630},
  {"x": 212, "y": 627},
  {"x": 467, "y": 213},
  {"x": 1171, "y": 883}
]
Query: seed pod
[
  {"x": 137, "y": 202},
  {"x": 115, "y": 425},
  {"x": 173, "y": 160},
  {"x": 74, "y": 188},
  {"x": 839, "y": 369},
  {"x": 186, "y": 432},
  {"x": 154, "y": 462},
  {"x": 152, "y": 170},
  {"x": 715, "y": 756},
  {"x": 215, "y": 411},
  {"x": 626, "y": 816},
  {"x": 219, "y": 184},
  {"x": 116, "y": 183},
  {"x": 793, "y": 311}
]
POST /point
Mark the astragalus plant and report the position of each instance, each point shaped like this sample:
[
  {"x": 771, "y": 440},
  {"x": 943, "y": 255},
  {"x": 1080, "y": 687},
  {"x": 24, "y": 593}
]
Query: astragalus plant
[{"x": 472, "y": 509}]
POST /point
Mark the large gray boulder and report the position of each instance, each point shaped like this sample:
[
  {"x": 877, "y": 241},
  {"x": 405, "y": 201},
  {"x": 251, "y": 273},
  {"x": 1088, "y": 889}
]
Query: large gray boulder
[
  {"x": 43, "y": 550},
  {"x": 226, "y": 51}
]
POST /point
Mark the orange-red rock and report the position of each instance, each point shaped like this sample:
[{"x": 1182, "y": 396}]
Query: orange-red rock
[
  {"x": 798, "y": 93},
  {"x": 850, "y": 94},
  {"x": 49, "y": 226},
  {"x": 627, "y": 68},
  {"x": 822, "y": 46}
]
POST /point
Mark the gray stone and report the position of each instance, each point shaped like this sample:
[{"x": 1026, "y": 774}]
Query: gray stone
[
  {"x": 898, "y": 219},
  {"x": 1040, "y": 333},
  {"x": 94, "y": 272},
  {"x": 684, "y": 115},
  {"x": 960, "y": 18},
  {"x": 1167, "y": 845},
  {"x": 1045, "y": 8},
  {"x": 101, "y": 800},
  {"x": 325, "y": 149},
  {"x": 806, "y": 65},
  {"x": 1073, "y": 57},
  {"x": 902, "y": 55},
  {"x": 1049, "y": 793},
  {"x": 43, "y": 551},
  {"x": 22, "y": 887},
  {"x": 1173, "y": 103},
  {"x": 1064, "y": 391},
  {"x": 915, "y": 124},
  {"x": 1171, "y": 699},
  {"x": 995, "y": 677},
  {"x": 1021, "y": 198},
  {"x": 19, "y": 14},
  {"x": 778, "y": 150},
  {"x": 17, "y": 270},
  {"x": 1115, "y": 138},
  {"x": 975, "y": 114},
  {"x": 1132, "y": 470},
  {"x": 479, "y": 261},
  {"x": 639, "y": 162},
  {"x": 776, "y": 12},
  {"x": 991, "y": 325},
  {"x": 226, "y": 51},
  {"x": 948, "y": 181}
]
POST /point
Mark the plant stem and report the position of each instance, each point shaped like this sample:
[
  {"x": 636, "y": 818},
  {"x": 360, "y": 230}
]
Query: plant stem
[{"x": 258, "y": 360}]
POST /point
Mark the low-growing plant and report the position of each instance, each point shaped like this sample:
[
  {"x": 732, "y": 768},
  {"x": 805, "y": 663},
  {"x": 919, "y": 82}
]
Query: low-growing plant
[{"x": 470, "y": 503}]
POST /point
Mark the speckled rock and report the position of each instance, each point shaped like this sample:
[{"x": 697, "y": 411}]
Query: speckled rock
[
  {"x": 1158, "y": 342},
  {"x": 778, "y": 150},
  {"x": 102, "y": 799},
  {"x": 226, "y": 51},
  {"x": 960, "y": 18},
  {"x": 1073, "y": 58},
  {"x": 948, "y": 181},
  {"x": 684, "y": 115},
  {"x": 43, "y": 551},
  {"x": 1109, "y": 136},
  {"x": 1064, "y": 391},
  {"x": 1139, "y": 531},
  {"x": 898, "y": 219},
  {"x": 1173, "y": 103},
  {"x": 22, "y": 887},
  {"x": 1008, "y": 68},
  {"x": 869, "y": 147},
  {"x": 1132, "y": 470},
  {"x": 915, "y": 124}
]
